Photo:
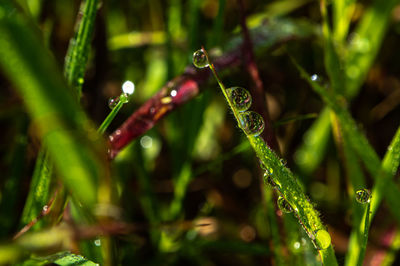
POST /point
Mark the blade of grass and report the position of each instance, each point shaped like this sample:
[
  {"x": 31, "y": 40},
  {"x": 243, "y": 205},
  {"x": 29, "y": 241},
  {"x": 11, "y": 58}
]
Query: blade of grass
[
  {"x": 384, "y": 171},
  {"x": 366, "y": 43},
  {"x": 358, "y": 60},
  {"x": 77, "y": 58},
  {"x": 286, "y": 183},
  {"x": 364, "y": 228},
  {"x": 60, "y": 122},
  {"x": 78, "y": 50}
]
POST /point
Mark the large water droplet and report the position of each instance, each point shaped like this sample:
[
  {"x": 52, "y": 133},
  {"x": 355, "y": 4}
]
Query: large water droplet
[
  {"x": 322, "y": 239},
  {"x": 252, "y": 123},
  {"x": 283, "y": 205},
  {"x": 363, "y": 196},
  {"x": 200, "y": 59},
  {"x": 240, "y": 98},
  {"x": 112, "y": 102}
]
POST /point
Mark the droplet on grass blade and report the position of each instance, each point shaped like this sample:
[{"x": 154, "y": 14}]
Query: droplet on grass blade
[
  {"x": 322, "y": 239},
  {"x": 112, "y": 102},
  {"x": 363, "y": 196},
  {"x": 200, "y": 59},
  {"x": 252, "y": 123},
  {"x": 240, "y": 98},
  {"x": 269, "y": 180},
  {"x": 283, "y": 205}
]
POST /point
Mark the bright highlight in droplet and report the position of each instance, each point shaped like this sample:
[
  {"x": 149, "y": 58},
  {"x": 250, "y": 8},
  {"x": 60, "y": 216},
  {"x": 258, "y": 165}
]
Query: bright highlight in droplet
[
  {"x": 174, "y": 93},
  {"x": 128, "y": 87}
]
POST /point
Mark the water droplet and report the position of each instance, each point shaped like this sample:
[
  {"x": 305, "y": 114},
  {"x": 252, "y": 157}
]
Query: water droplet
[
  {"x": 128, "y": 87},
  {"x": 363, "y": 196},
  {"x": 146, "y": 142},
  {"x": 112, "y": 102},
  {"x": 97, "y": 242},
  {"x": 283, "y": 205},
  {"x": 45, "y": 208},
  {"x": 296, "y": 245},
  {"x": 124, "y": 97},
  {"x": 240, "y": 98},
  {"x": 269, "y": 180},
  {"x": 252, "y": 123},
  {"x": 200, "y": 59},
  {"x": 173, "y": 93},
  {"x": 322, "y": 239},
  {"x": 314, "y": 77}
]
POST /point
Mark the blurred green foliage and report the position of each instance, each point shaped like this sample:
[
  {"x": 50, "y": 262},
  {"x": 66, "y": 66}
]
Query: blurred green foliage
[{"x": 190, "y": 191}]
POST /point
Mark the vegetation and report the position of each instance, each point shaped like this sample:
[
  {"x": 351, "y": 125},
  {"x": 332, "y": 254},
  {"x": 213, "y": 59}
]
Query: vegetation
[{"x": 120, "y": 149}]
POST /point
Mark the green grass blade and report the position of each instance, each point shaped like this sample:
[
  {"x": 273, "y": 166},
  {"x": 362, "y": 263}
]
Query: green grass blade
[
  {"x": 58, "y": 118},
  {"x": 366, "y": 43},
  {"x": 315, "y": 141},
  {"x": 75, "y": 62},
  {"x": 382, "y": 172},
  {"x": 364, "y": 228},
  {"x": 78, "y": 50},
  {"x": 39, "y": 188},
  {"x": 286, "y": 183}
]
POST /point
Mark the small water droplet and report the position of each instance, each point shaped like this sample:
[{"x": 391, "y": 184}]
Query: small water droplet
[
  {"x": 363, "y": 196},
  {"x": 124, "y": 97},
  {"x": 173, "y": 93},
  {"x": 252, "y": 123},
  {"x": 322, "y": 239},
  {"x": 283, "y": 205},
  {"x": 296, "y": 245},
  {"x": 146, "y": 142},
  {"x": 45, "y": 208},
  {"x": 200, "y": 59},
  {"x": 314, "y": 77},
  {"x": 112, "y": 102},
  {"x": 240, "y": 98},
  {"x": 269, "y": 180},
  {"x": 97, "y": 242},
  {"x": 128, "y": 87}
]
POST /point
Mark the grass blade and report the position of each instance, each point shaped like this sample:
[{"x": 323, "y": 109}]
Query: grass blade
[
  {"x": 286, "y": 184},
  {"x": 60, "y": 121},
  {"x": 78, "y": 50}
]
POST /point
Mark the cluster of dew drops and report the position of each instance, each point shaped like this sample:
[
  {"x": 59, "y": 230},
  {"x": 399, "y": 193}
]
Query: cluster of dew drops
[{"x": 251, "y": 122}]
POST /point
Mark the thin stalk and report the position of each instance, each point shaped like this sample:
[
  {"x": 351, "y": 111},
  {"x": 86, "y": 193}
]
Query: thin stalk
[{"x": 110, "y": 117}]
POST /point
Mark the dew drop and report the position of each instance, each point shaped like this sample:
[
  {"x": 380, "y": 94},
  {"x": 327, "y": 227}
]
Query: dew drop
[
  {"x": 124, "y": 97},
  {"x": 269, "y": 180},
  {"x": 283, "y": 205},
  {"x": 112, "y": 102},
  {"x": 314, "y": 77},
  {"x": 128, "y": 87},
  {"x": 240, "y": 98},
  {"x": 363, "y": 196},
  {"x": 97, "y": 242},
  {"x": 200, "y": 59},
  {"x": 252, "y": 123},
  {"x": 322, "y": 239}
]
